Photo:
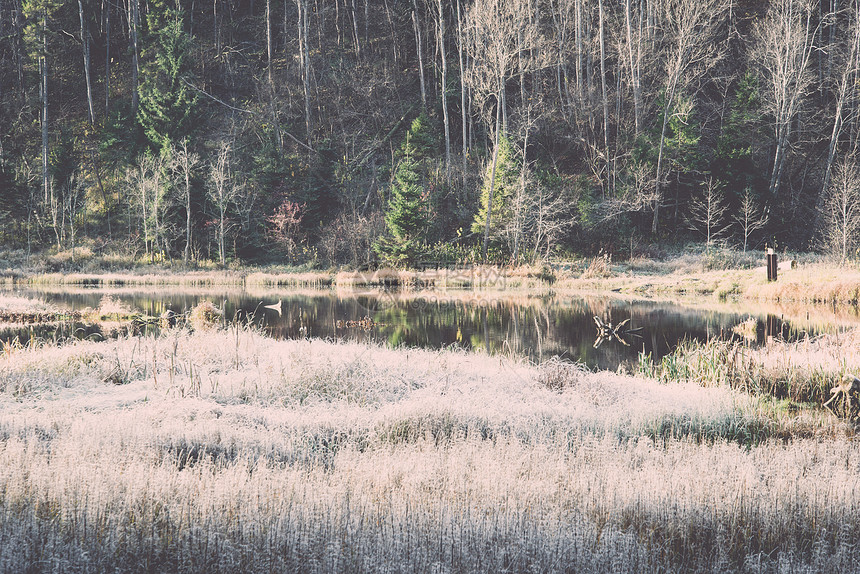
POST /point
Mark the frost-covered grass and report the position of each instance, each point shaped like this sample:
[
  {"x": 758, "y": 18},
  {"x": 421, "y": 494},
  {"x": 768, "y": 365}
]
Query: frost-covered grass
[
  {"x": 15, "y": 304},
  {"x": 802, "y": 371},
  {"x": 226, "y": 451}
]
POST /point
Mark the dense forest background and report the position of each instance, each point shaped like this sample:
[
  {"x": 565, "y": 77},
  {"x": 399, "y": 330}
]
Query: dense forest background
[{"x": 366, "y": 132}]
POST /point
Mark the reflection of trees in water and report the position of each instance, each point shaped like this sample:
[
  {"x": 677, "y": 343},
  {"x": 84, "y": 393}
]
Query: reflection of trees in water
[
  {"x": 52, "y": 332},
  {"x": 532, "y": 327}
]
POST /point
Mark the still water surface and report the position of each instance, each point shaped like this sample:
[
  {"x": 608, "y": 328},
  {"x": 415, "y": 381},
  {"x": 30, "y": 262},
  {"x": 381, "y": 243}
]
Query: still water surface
[{"x": 533, "y": 327}]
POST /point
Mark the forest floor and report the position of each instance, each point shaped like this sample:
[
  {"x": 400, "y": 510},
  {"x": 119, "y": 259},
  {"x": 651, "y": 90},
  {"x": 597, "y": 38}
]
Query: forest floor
[{"x": 223, "y": 450}]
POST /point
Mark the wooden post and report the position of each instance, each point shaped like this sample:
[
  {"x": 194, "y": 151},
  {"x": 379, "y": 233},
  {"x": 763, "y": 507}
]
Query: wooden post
[{"x": 771, "y": 264}]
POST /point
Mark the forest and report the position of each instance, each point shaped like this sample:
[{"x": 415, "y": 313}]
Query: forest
[{"x": 400, "y": 132}]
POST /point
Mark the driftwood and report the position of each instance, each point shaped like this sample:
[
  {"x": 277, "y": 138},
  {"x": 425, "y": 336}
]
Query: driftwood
[
  {"x": 842, "y": 392},
  {"x": 607, "y": 331}
]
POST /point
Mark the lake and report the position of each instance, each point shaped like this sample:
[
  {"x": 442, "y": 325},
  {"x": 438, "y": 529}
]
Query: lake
[{"x": 535, "y": 327}]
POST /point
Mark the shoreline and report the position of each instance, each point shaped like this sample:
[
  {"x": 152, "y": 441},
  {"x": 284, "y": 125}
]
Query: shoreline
[{"x": 814, "y": 283}]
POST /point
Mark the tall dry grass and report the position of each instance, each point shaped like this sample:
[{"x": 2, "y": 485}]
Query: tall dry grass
[
  {"x": 226, "y": 451},
  {"x": 802, "y": 371}
]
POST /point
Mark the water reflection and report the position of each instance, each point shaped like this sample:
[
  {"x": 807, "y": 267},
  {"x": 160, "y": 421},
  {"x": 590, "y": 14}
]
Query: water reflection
[{"x": 532, "y": 327}]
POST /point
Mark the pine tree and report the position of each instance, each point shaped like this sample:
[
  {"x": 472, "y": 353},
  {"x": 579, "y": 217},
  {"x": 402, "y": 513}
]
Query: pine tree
[
  {"x": 405, "y": 218},
  {"x": 167, "y": 109}
]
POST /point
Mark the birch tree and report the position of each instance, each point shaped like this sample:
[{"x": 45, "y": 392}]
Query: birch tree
[
  {"x": 305, "y": 60},
  {"x": 222, "y": 192},
  {"x": 440, "y": 19},
  {"x": 85, "y": 45},
  {"x": 846, "y": 91},
  {"x": 784, "y": 46},
  {"x": 841, "y": 216},
  {"x": 186, "y": 163}
]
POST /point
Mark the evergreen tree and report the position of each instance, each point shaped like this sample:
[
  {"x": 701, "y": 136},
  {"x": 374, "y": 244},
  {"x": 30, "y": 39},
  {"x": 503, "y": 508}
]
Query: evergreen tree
[
  {"x": 405, "y": 217},
  {"x": 733, "y": 158},
  {"x": 507, "y": 181},
  {"x": 168, "y": 105}
]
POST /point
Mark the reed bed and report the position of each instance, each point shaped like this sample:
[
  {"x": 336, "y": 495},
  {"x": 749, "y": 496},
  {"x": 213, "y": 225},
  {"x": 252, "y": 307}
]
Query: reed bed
[
  {"x": 802, "y": 371},
  {"x": 293, "y": 279},
  {"x": 226, "y": 451}
]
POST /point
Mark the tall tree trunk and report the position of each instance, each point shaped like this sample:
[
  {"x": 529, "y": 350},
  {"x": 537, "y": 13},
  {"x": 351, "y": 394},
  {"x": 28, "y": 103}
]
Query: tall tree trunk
[
  {"x": 608, "y": 186},
  {"x": 304, "y": 57},
  {"x": 658, "y": 192},
  {"x": 269, "y": 42},
  {"x": 221, "y": 242},
  {"x": 393, "y": 32},
  {"x": 43, "y": 93},
  {"x": 634, "y": 69},
  {"x": 419, "y": 49},
  {"x": 842, "y": 96},
  {"x": 133, "y": 25},
  {"x": 19, "y": 48},
  {"x": 463, "y": 113},
  {"x": 107, "y": 6},
  {"x": 85, "y": 43},
  {"x": 579, "y": 54},
  {"x": 186, "y": 165},
  {"x": 355, "y": 31},
  {"x": 216, "y": 29},
  {"x": 445, "y": 91},
  {"x": 522, "y": 191}
]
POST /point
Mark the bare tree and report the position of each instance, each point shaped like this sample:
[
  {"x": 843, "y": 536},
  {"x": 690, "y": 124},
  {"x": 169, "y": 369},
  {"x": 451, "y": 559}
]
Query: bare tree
[
  {"x": 708, "y": 212},
  {"x": 85, "y": 43},
  {"x": 440, "y": 14},
  {"x": 419, "y": 48},
  {"x": 784, "y": 46},
  {"x": 500, "y": 30},
  {"x": 269, "y": 42},
  {"x": 846, "y": 91},
  {"x": 841, "y": 216},
  {"x": 133, "y": 28},
  {"x": 147, "y": 184},
  {"x": 634, "y": 62},
  {"x": 690, "y": 29},
  {"x": 604, "y": 97},
  {"x": 305, "y": 58},
  {"x": 461, "y": 45},
  {"x": 74, "y": 202},
  {"x": 185, "y": 163},
  {"x": 750, "y": 217},
  {"x": 222, "y": 192}
]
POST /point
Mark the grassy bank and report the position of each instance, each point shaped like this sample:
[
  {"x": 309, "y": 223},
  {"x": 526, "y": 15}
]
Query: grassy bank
[
  {"x": 226, "y": 451},
  {"x": 694, "y": 274}
]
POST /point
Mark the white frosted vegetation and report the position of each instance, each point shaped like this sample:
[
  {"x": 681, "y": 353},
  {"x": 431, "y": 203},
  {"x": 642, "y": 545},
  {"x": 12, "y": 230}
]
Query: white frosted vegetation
[{"x": 228, "y": 451}]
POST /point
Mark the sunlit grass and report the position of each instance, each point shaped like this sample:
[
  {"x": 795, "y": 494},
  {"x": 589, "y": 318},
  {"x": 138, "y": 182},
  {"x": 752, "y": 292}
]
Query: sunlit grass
[{"x": 227, "y": 451}]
